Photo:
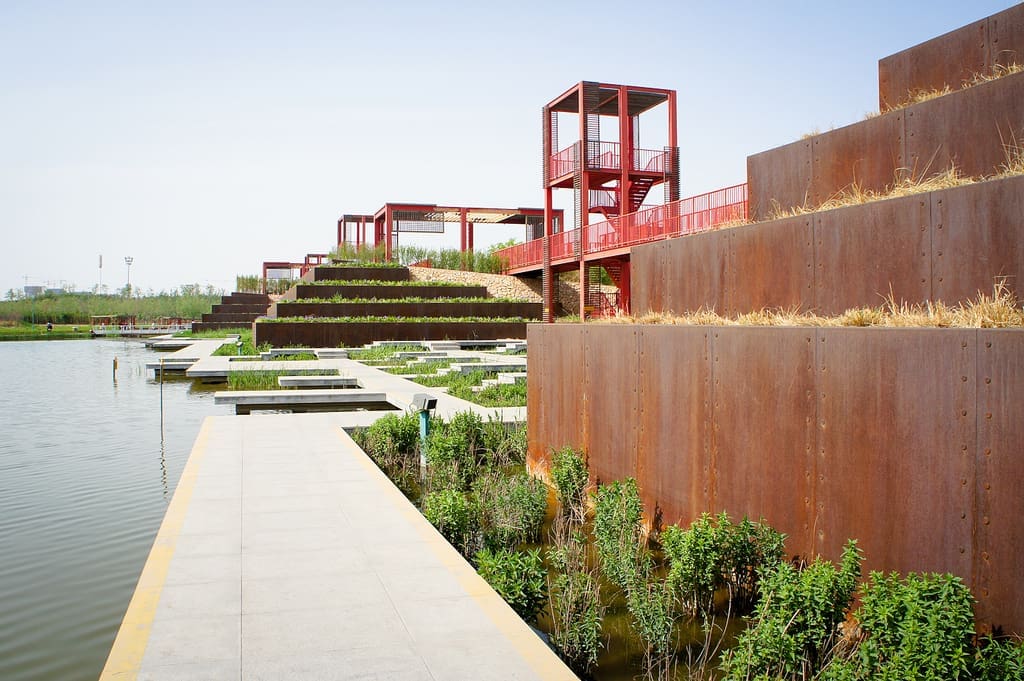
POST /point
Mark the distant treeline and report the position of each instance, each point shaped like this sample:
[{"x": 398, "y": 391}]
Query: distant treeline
[{"x": 78, "y": 308}]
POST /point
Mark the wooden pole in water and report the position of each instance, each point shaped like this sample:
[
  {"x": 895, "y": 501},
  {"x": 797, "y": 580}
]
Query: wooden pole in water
[
  {"x": 161, "y": 398},
  {"x": 115, "y": 370}
]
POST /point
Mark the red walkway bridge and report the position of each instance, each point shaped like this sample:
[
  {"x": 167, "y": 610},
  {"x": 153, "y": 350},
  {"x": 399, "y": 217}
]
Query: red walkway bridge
[{"x": 613, "y": 238}]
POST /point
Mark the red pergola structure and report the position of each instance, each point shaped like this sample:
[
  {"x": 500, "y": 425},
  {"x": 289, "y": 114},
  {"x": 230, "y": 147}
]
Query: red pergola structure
[
  {"x": 309, "y": 262},
  {"x": 393, "y": 218},
  {"x": 611, "y": 178}
]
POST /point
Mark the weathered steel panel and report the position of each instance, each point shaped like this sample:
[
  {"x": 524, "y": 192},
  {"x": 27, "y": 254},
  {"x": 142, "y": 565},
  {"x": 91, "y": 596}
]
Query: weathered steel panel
[
  {"x": 948, "y": 59},
  {"x": 647, "y": 277},
  {"x": 674, "y": 422},
  {"x": 865, "y": 253},
  {"x": 555, "y": 403},
  {"x": 978, "y": 239},
  {"x": 763, "y": 427},
  {"x": 610, "y": 400},
  {"x": 779, "y": 177},
  {"x": 896, "y": 437},
  {"x": 1006, "y": 37},
  {"x": 354, "y": 273},
  {"x": 970, "y": 129},
  {"x": 695, "y": 272},
  {"x": 771, "y": 265},
  {"x": 999, "y": 553},
  {"x": 331, "y": 335},
  {"x": 866, "y": 154}
]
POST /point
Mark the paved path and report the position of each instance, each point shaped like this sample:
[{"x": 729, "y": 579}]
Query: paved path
[{"x": 286, "y": 554}]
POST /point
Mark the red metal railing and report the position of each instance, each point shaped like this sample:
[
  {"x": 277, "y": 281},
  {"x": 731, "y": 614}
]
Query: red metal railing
[
  {"x": 687, "y": 216},
  {"x": 607, "y": 156}
]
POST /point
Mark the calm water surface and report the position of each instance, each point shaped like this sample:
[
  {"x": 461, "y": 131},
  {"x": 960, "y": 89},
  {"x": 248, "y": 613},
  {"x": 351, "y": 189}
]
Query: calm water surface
[{"x": 86, "y": 473}]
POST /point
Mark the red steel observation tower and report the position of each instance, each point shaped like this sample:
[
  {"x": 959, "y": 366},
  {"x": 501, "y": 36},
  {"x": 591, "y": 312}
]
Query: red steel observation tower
[{"x": 610, "y": 175}]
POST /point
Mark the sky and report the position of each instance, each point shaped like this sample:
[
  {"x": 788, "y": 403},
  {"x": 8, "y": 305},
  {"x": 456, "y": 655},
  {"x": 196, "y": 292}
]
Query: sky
[{"x": 202, "y": 138}]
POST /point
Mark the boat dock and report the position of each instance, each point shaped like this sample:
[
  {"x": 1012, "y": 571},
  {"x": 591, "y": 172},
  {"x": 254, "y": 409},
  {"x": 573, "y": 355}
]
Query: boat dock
[{"x": 286, "y": 553}]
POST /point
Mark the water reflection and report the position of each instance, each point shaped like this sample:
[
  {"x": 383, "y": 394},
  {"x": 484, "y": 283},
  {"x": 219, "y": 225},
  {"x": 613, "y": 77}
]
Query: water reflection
[{"x": 80, "y": 501}]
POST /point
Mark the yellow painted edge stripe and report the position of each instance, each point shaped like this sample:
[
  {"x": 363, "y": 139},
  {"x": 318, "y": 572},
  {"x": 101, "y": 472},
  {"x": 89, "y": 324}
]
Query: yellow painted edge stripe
[
  {"x": 537, "y": 655},
  {"x": 130, "y": 644}
]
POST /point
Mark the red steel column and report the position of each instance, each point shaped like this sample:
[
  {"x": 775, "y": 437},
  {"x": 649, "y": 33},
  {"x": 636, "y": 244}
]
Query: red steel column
[
  {"x": 547, "y": 285},
  {"x": 469, "y": 235},
  {"x": 584, "y": 168},
  {"x": 462, "y": 230},
  {"x": 625, "y": 151},
  {"x": 388, "y": 226}
]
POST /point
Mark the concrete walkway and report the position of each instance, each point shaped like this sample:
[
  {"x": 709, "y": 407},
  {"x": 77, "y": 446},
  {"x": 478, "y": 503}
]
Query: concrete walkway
[{"x": 286, "y": 554}]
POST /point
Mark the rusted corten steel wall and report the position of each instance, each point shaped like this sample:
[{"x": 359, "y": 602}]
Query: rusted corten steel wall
[
  {"x": 908, "y": 440},
  {"x": 970, "y": 128},
  {"x": 332, "y": 335},
  {"x": 945, "y": 245},
  {"x": 952, "y": 58},
  {"x": 436, "y": 308}
]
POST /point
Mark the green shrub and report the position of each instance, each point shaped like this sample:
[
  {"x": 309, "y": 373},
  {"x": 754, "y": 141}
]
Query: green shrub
[
  {"x": 618, "y": 533},
  {"x": 393, "y": 435},
  {"x": 651, "y": 605},
  {"x": 715, "y": 553},
  {"x": 455, "y": 517},
  {"x": 918, "y": 628},
  {"x": 450, "y": 464},
  {"x": 570, "y": 475},
  {"x": 796, "y": 619},
  {"x": 575, "y": 598},
  {"x": 504, "y": 444},
  {"x": 518, "y": 577},
  {"x": 998, "y": 659},
  {"x": 512, "y": 508}
]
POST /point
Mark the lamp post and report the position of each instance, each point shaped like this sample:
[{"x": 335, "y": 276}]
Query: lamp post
[{"x": 128, "y": 260}]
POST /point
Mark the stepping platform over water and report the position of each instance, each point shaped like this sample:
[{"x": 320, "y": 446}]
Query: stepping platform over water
[
  {"x": 286, "y": 554},
  {"x": 246, "y": 401}
]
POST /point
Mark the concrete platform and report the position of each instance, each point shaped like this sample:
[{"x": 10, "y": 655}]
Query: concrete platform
[
  {"x": 246, "y": 401},
  {"x": 279, "y": 560}
]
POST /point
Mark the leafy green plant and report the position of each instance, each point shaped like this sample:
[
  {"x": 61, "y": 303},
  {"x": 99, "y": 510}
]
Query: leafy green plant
[
  {"x": 267, "y": 379},
  {"x": 512, "y": 508},
  {"x": 504, "y": 443},
  {"x": 917, "y": 628},
  {"x": 518, "y": 577},
  {"x": 450, "y": 462},
  {"x": 393, "y": 443},
  {"x": 651, "y": 604},
  {"x": 715, "y": 553},
  {"x": 618, "y": 533},
  {"x": 998, "y": 659},
  {"x": 381, "y": 352},
  {"x": 570, "y": 475},
  {"x": 574, "y": 595},
  {"x": 796, "y": 620},
  {"x": 454, "y": 515}
]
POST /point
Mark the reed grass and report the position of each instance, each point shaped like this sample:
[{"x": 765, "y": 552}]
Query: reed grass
[{"x": 999, "y": 310}]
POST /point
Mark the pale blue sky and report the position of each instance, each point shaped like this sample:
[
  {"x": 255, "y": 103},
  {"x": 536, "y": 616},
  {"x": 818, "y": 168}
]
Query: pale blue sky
[{"x": 202, "y": 138}]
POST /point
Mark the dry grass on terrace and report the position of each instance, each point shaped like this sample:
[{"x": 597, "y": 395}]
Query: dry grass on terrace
[
  {"x": 1000, "y": 310},
  {"x": 917, "y": 96}
]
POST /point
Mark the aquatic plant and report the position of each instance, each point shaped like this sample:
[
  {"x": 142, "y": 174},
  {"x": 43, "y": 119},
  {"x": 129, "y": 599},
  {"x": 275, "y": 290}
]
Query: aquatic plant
[
  {"x": 518, "y": 577},
  {"x": 570, "y": 475},
  {"x": 454, "y": 515},
  {"x": 574, "y": 597},
  {"x": 796, "y": 620},
  {"x": 512, "y": 508}
]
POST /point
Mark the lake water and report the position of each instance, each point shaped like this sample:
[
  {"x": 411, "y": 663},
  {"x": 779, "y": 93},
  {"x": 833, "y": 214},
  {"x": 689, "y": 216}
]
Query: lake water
[{"x": 86, "y": 473}]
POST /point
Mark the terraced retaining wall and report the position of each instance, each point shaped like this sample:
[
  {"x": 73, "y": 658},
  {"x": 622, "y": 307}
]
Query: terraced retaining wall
[
  {"x": 388, "y": 291},
  {"x": 954, "y": 57},
  {"x": 944, "y": 245},
  {"x": 908, "y": 440},
  {"x": 438, "y": 308},
  {"x": 338, "y": 334},
  {"x": 973, "y": 128}
]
